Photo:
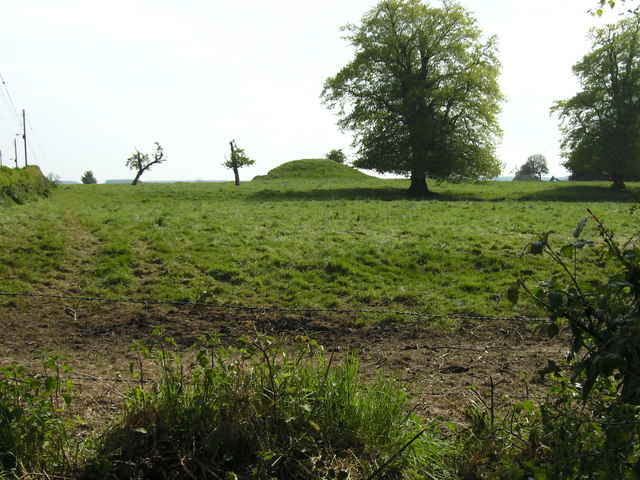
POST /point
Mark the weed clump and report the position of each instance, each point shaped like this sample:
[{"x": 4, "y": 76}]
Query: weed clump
[
  {"x": 35, "y": 423},
  {"x": 589, "y": 424},
  {"x": 263, "y": 410}
]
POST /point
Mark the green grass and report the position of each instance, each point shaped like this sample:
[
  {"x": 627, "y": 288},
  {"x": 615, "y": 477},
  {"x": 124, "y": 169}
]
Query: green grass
[
  {"x": 21, "y": 185},
  {"x": 347, "y": 244},
  {"x": 316, "y": 169},
  {"x": 266, "y": 409}
]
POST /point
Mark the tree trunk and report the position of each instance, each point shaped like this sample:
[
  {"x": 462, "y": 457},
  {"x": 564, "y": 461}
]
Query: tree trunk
[
  {"x": 138, "y": 175},
  {"x": 236, "y": 173},
  {"x": 418, "y": 187}
]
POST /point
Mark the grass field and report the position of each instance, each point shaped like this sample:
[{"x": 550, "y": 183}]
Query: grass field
[
  {"x": 347, "y": 243},
  {"x": 285, "y": 240}
]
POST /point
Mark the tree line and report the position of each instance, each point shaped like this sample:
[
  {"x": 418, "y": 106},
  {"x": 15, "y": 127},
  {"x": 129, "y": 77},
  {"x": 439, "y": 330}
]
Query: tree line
[{"x": 422, "y": 98}]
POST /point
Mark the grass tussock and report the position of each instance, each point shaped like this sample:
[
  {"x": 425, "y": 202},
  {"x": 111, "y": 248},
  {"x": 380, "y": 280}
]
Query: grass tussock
[
  {"x": 263, "y": 410},
  {"x": 266, "y": 408}
]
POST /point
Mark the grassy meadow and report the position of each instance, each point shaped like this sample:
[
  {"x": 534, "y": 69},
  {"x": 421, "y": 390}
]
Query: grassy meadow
[
  {"x": 298, "y": 240},
  {"x": 310, "y": 234}
]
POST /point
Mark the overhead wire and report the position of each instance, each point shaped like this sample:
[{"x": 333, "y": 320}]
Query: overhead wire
[
  {"x": 38, "y": 144},
  {"x": 21, "y": 126},
  {"x": 4, "y": 84},
  {"x": 8, "y": 105}
]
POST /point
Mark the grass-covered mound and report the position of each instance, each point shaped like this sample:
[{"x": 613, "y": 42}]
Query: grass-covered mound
[
  {"x": 313, "y": 169},
  {"x": 22, "y": 185}
]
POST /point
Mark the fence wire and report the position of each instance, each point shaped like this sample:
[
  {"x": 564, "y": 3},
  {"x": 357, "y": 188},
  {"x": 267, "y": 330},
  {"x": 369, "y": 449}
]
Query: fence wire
[{"x": 178, "y": 303}]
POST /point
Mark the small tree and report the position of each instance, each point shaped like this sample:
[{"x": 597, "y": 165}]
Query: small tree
[
  {"x": 237, "y": 160},
  {"x": 88, "y": 178},
  {"x": 142, "y": 162},
  {"x": 533, "y": 168},
  {"x": 336, "y": 155}
]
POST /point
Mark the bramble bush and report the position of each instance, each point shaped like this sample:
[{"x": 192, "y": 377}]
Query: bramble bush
[
  {"x": 35, "y": 421},
  {"x": 589, "y": 424}
]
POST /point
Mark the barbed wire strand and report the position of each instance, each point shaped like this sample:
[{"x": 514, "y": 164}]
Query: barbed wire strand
[{"x": 460, "y": 316}]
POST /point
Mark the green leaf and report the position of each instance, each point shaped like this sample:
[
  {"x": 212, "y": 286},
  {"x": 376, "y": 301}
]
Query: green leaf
[
  {"x": 528, "y": 406},
  {"x": 555, "y": 299},
  {"x": 50, "y": 384},
  {"x": 581, "y": 223},
  {"x": 512, "y": 294},
  {"x": 553, "y": 330},
  {"x": 568, "y": 250},
  {"x": 593, "y": 372},
  {"x": 536, "y": 248}
]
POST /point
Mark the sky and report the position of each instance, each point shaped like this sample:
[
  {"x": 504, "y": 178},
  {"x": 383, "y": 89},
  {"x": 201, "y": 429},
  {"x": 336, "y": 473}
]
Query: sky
[{"x": 99, "y": 80}]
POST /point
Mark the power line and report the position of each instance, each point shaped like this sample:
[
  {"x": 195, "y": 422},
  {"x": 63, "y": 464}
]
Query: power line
[
  {"x": 15, "y": 110},
  {"x": 9, "y": 105},
  {"x": 23, "y": 125},
  {"x": 35, "y": 157}
]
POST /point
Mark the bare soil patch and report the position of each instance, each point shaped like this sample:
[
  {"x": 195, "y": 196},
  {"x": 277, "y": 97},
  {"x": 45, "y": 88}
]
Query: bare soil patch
[{"x": 437, "y": 367}]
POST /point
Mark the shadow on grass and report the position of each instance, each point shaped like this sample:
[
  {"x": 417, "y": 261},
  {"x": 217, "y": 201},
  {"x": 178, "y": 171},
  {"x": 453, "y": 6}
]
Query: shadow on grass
[
  {"x": 557, "y": 193},
  {"x": 327, "y": 194},
  {"x": 578, "y": 193}
]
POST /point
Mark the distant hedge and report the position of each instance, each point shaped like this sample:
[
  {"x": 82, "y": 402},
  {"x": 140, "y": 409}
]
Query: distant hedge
[{"x": 21, "y": 185}]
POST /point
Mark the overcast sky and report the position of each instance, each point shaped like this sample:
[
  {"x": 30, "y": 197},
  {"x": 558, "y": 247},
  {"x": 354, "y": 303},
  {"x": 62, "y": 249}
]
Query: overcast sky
[{"x": 100, "y": 79}]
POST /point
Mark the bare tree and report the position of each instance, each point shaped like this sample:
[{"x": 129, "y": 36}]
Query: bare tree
[{"x": 143, "y": 162}]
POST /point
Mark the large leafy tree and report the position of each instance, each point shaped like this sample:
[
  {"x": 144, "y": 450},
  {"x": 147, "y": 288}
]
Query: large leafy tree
[
  {"x": 421, "y": 94},
  {"x": 601, "y": 123},
  {"x": 533, "y": 168}
]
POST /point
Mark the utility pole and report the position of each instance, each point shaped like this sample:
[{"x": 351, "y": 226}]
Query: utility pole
[
  {"x": 24, "y": 136},
  {"x": 15, "y": 151},
  {"x": 0, "y": 158}
]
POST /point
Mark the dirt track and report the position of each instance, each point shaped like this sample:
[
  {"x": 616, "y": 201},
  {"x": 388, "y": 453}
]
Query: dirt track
[{"x": 436, "y": 367}]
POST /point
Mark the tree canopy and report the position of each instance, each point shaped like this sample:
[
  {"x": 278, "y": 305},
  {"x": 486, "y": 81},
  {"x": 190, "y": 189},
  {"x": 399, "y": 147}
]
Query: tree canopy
[
  {"x": 88, "y": 178},
  {"x": 336, "y": 155},
  {"x": 237, "y": 160},
  {"x": 421, "y": 94},
  {"x": 141, "y": 162},
  {"x": 533, "y": 168},
  {"x": 601, "y": 123},
  {"x": 612, "y": 3}
]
